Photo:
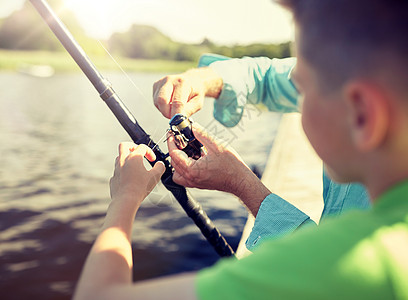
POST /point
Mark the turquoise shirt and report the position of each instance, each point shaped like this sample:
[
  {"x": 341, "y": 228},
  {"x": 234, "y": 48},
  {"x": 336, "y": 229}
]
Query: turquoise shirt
[
  {"x": 267, "y": 81},
  {"x": 360, "y": 255}
]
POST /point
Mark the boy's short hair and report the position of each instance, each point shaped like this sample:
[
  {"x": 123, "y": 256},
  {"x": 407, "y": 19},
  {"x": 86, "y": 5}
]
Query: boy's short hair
[{"x": 353, "y": 38}]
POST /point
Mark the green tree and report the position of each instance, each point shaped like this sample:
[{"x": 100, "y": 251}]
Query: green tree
[
  {"x": 187, "y": 52},
  {"x": 254, "y": 50},
  {"x": 142, "y": 41}
]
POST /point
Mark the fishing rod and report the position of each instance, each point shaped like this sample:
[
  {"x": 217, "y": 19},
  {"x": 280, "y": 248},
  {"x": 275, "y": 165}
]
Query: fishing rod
[{"x": 193, "y": 208}]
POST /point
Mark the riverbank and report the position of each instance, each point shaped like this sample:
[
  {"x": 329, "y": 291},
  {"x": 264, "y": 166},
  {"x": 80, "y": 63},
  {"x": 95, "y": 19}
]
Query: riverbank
[{"x": 62, "y": 62}]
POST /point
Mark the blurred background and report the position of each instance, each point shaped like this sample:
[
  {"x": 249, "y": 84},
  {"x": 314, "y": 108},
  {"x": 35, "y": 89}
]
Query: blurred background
[{"x": 58, "y": 140}]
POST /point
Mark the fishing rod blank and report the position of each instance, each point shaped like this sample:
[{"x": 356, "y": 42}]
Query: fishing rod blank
[{"x": 132, "y": 127}]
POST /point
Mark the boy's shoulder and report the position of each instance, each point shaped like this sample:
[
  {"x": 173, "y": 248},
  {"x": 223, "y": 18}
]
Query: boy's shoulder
[{"x": 341, "y": 252}]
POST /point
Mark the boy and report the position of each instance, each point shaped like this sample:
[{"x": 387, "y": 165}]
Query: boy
[{"x": 351, "y": 72}]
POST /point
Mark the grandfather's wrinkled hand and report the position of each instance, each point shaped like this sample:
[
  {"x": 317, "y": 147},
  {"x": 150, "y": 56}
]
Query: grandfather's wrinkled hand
[
  {"x": 220, "y": 168},
  {"x": 180, "y": 93},
  {"x": 131, "y": 180}
]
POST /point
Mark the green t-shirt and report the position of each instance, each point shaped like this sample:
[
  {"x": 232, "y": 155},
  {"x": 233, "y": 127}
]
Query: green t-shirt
[{"x": 362, "y": 255}]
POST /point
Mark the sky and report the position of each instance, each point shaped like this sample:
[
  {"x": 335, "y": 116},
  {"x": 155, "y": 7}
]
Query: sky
[{"x": 225, "y": 22}]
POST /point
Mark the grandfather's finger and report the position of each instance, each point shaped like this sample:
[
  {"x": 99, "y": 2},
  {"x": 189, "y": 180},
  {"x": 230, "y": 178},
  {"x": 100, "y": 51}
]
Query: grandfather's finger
[
  {"x": 193, "y": 105},
  {"x": 171, "y": 142},
  {"x": 180, "y": 96},
  {"x": 179, "y": 179},
  {"x": 162, "y": 98},
  {"x": 178, "y": 168},
  {"x": 178, "y": 156},
  {"x": 208, "y": 140}
]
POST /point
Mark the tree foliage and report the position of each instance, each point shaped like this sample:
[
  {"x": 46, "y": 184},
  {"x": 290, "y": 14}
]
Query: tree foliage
[
  {"x": 268, "y": 50},
  {"x": 25, "y": 30},
  {"x": 142, "y": 41}
]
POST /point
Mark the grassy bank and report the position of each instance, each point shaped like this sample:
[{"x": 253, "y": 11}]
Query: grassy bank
[{"x": 62, "y": 62}]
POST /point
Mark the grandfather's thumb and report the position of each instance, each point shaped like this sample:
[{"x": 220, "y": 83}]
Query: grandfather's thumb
[{"x": 203, "y": 136}]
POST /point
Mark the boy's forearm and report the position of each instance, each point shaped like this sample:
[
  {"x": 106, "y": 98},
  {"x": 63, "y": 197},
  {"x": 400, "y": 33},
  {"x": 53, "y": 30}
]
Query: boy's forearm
[{"x": 110, "y": 260}]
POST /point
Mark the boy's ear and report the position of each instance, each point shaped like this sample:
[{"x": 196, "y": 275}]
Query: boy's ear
[{"x": 368, "y": 113}]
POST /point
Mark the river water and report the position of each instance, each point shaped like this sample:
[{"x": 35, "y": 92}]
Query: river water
[{"x": 58, "y": 142}]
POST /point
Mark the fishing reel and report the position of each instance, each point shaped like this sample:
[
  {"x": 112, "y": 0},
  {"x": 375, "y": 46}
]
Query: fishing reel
[{"x": 181, "y": 127}]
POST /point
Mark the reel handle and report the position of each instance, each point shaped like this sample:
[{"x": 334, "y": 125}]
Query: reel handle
[{"x": 181, "y": 127}]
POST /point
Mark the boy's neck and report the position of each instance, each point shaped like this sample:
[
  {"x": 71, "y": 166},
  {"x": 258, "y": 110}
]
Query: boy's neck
[{"x": 385, "y": 174}]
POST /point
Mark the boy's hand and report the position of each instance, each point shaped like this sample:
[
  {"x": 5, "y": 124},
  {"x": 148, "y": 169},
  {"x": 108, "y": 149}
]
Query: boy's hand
[
  {"x": 131, "y": 181},
  {"x": 220, "y": 169}
]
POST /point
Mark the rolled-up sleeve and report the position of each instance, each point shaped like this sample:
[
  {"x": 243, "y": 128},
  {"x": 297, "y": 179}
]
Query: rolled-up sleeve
[
  {"x": 276, "y": 217},
  {"x": 248, "y": 80}
]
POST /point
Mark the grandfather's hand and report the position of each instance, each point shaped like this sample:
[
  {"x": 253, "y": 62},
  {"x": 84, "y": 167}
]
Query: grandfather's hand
[
  {"x": 219, "y": 169},
  {"x": 178, "y": 94},
  {"x": 131, "y": 180},
  {"x": 184, "y": 93}
]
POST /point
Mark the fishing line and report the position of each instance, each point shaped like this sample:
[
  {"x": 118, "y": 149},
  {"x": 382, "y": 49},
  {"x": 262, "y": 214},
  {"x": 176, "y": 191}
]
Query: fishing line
[
  {"x": 168, "y": 193},
  {"x": 135, "y": 85},
  {"x": 123, "y": 71},
  {"x": 163, "y": 138}
]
